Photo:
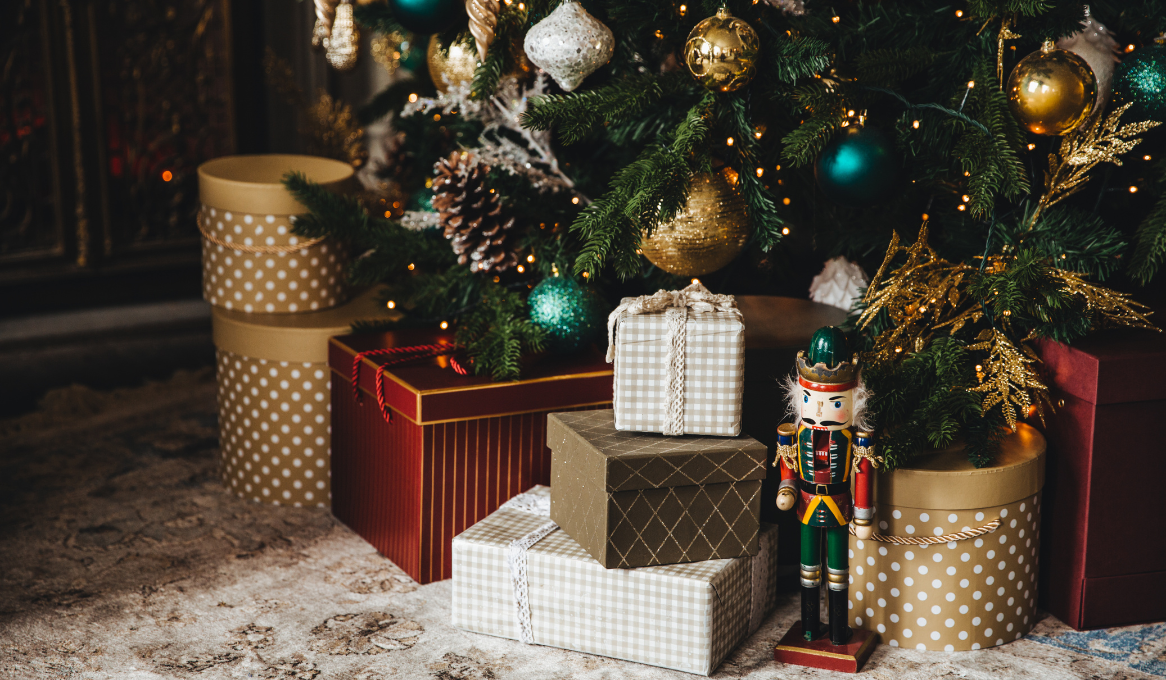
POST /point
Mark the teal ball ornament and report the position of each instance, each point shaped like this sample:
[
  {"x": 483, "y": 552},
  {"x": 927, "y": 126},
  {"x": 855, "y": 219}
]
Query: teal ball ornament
[
  {"x": 1141, "y": 80},
  {"x": 427, "y": 16},
  {"x": 572, "y": 315},
  {"x": 857, "y": 168}
]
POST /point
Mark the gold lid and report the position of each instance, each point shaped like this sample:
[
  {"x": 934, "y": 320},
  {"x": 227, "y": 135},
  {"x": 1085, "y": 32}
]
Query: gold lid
[
  {"x": 946, "y": 480},
  {"x": 787, "y": 429},
  {"x": 254, "y": 184},
  {"x": 292, "y": 337}
]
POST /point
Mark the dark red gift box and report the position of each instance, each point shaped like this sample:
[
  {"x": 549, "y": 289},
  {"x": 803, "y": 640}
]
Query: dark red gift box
[
  {"x": 1103, "y": 545},
  {"x": 457, "y": 448}
]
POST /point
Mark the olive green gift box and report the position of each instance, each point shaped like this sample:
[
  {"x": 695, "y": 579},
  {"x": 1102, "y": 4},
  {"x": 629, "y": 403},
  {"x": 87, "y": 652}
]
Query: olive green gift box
[{"x": 635, "y": 499}]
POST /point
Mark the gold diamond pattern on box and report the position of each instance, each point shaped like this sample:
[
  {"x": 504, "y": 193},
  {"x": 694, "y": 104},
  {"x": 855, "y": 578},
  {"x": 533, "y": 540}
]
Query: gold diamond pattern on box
[{"x": 638, "y": 499}]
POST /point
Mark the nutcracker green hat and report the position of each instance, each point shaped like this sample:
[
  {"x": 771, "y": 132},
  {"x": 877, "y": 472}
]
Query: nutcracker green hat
[{"x": 829, "y": 364}]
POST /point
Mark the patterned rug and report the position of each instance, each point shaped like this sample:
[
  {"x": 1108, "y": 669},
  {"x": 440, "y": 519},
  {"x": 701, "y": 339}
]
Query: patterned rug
[{"x": 121, "y": 557}]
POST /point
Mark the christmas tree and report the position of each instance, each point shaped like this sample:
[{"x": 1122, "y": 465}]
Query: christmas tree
[{"x": 979, "y": 158}]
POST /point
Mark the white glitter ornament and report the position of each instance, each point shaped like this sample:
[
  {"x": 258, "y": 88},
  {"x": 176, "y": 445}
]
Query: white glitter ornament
[
  {"x": 1095, "y": 44},
  {"x": 840, "y": 283},
  {"x": 569, "y": 44}
]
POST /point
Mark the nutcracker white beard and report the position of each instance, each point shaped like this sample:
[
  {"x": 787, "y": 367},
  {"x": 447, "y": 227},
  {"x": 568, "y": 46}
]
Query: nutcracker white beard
[{"x": 794, "y": 401}]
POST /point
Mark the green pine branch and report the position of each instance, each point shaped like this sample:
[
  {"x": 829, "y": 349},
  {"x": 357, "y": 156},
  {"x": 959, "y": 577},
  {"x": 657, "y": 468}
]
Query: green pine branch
[
  {"x": 827, "y": 110},
  {"x": 1029, "y": 294},
  {"x": 577, "y": 114},
  {"x": 991, "y": 161},
  {"x": 793, "y": 57},
  {"x": 648, "y": 191},
  {"x": 1070, "y": 239},
  {"x": 1150, "y": 239},
  {"x": 762, "y": 208},
  {"x": 497, "y": 333},
  {"x": 889, "y": 67}
]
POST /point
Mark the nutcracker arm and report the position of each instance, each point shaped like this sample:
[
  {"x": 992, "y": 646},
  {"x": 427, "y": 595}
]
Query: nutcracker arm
[
  {"x": 865, "y": 460},
  {"x": 786, "y": 459}
]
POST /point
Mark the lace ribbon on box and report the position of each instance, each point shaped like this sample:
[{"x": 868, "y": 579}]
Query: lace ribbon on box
[
  {"x": 675, "y": 305},
  {"x": 540, "y": 506}
]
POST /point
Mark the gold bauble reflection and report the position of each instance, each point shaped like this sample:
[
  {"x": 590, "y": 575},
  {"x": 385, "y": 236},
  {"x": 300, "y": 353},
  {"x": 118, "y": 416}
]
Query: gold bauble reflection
[
  {"x": 706, "y": 235},
  {"x": 1051, "y": 91},
  {"x": 451, "y": 70},
  {"x": 721, "y": 52}
]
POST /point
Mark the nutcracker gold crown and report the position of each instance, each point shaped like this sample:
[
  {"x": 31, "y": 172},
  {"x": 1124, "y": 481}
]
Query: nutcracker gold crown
[{"x": 841, "y": 374}]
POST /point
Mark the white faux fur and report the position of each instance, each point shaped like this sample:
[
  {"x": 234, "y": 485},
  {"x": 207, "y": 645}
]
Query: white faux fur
[{"x": 794, "y": 408}]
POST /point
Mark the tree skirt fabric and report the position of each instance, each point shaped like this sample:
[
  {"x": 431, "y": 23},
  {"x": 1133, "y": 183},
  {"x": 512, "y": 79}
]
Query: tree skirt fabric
[{"x": 122, "y": 557}]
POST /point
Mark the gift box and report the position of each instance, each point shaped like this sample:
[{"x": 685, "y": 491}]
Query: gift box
[
  {"x": 953, "y": 563},
  {"x": 453, "y": 448},
  {"x": 251, "y": 261},
  {"x": 678, "y": 358},
  {"x": 274, "y": 400},
  {"x": 1103, "y": 550},
  {"x": 516, "y": 576},
  {"x": 635, "y": 499}
]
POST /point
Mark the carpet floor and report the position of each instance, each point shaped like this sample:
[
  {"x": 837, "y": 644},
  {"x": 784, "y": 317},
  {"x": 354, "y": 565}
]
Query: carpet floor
[{"x": 122, "y": 557}]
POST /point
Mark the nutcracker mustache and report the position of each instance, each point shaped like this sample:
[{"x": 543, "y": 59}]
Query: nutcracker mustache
[{"x": 824, "y": 423}]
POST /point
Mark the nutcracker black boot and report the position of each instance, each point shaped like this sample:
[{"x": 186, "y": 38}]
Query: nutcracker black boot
[
  {"x": 811, "y": 612},
  {"x": 839, "y": 630}
]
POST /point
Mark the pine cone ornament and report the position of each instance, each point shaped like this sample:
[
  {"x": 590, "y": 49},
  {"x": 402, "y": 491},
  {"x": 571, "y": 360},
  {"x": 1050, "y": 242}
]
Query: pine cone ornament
[{"x": 473, "y": 220}]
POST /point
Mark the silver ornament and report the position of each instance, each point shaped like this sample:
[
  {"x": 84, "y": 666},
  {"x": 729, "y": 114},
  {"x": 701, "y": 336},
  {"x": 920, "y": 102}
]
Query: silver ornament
[
  {"x": 341, "y": 46},
  {"x": 1095, "y": 44},
  {"x": 569, "y": 44}
]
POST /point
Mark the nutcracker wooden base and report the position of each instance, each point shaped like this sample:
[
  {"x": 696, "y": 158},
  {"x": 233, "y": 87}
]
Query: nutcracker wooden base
[{"x": 847, "y": 658}]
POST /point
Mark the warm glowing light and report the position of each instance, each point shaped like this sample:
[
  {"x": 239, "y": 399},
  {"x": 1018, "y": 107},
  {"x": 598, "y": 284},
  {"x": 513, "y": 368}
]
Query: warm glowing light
[
  {"x": 659, "y": 33},
  {"x": 760, "y": 171},
  {"x": 961, "y": 207},
  {"x": 836, "y": 19},
  {"x": 971, "y": 84},
  {"x": 729, "y": 141},
  {"x": 757, "y": 134},
  {"x": 966, "y": 199},
  {"x": 575, "y": 200},
  {"x": 785, "y": 201},
  {"x": 1130, "y": 48},
  {"x": 925, "y": 216},
  {"x": 167, "y": 175},
  {"x": 979, "y": 368},
  {"x": 778, "y": 168},
  {"x": 436, "y": 117},
  {"x": 696, "y": 280},
  {"x": 388, "y": 213},
  {"x": 850, "y": 112},
  {"x": 521, "y": 269},
  {"x": 410, "y": 266},
  {"x": 683, "y": 10},
  {"x": 967, "y": 174},
  {"x": 413, "y": 97},
  {"x": 586, "y": 275},
  {"x": 1146, "y": 157},
  {"x": 1133, "y": 190},
  {"x": 959, "y": 13},
  {"x": 444, "y": 325},
  {"x": 1008, "y": 312},
  {"x": 530, "y": 258},
  {"x": 391, "y": 304},
  {"x": 785, "y": 231},
  {"x": 898, "y": 349},
  {"x": 1031, "y": 147},
  {"x": 915, "y": 124}
]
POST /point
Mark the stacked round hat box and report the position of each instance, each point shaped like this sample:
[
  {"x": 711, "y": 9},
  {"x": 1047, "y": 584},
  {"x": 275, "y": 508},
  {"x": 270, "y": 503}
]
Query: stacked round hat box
[
  {"x": 953, "y": 563},
  {"x": 277, "y": 299}
]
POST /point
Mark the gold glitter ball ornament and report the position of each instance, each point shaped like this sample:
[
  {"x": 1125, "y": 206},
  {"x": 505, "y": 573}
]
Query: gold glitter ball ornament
[
  {"x": 721, "y": 52},
  {"x": 1051, "y": 91},
  {"x": 448, "y": 71},
  {"x": 706, "y": 235}
]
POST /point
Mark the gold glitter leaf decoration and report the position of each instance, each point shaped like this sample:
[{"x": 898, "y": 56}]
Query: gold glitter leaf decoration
[
  {"x": 1009, "y": 381},
  {"x": 1096, "y": 141}
]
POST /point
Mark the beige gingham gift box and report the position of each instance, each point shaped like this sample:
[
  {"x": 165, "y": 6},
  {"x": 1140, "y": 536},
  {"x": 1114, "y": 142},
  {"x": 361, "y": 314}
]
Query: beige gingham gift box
[
  {"x": 679, "y": 363},
  {"x": 516, "y": 575}
]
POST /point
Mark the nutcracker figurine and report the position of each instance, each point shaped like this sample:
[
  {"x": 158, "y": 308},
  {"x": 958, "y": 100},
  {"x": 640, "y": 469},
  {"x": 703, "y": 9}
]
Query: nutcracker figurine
[{"x": 819, "y": 457}]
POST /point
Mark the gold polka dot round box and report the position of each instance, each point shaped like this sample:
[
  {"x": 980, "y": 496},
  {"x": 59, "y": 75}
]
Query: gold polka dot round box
[
  {"x": 274, "y": 394},
  {"x": 953, "y": 563},
  {"x": 251, "y": 260}
]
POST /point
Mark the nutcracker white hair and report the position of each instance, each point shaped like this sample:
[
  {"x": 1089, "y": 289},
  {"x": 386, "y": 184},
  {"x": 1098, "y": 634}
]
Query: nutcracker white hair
[{"x": 794, "y": 409}]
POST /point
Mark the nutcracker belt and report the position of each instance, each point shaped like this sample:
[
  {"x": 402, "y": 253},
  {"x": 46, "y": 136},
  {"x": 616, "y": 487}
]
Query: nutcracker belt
[{"x": 824, "y": 489}]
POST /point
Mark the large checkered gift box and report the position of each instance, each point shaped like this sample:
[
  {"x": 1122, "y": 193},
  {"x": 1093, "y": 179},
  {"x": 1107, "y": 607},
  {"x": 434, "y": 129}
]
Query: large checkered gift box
[
  {"x": 679, "y": 357},
  {"x": 516, "y": 575}
]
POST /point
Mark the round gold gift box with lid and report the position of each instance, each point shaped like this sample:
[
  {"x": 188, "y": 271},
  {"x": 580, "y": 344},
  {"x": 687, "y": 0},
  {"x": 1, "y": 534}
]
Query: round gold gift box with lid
[
  {"x": 275, "y": 401},
  {"x": 974, "y": 591},
  {"x": 251, "y": 260}
]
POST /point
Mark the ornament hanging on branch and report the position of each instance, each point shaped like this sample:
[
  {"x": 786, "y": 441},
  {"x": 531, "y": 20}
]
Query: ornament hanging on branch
[
  {"x": 452, "y": 68},
  {"x": 472, "y": 218},
  {"x": 1051, "y": 91},
  {"x": 721, "y": 52},
  {"x": 840, "y": 283},
  {"x": 569, "y": 44},
  {"x": 325, "y": 12},
  {"x": 1141, "y": 80},
  {"x": 341, "y": 46},
  {"x": 572, "y": 315},
  {"x": 427, "y": 16},
  {"x": 857, "y": 168},
  {"x": 706, "y": 235},
  {"x": 483, "y": 22},
  {"x": 1095, "y": 44}
]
